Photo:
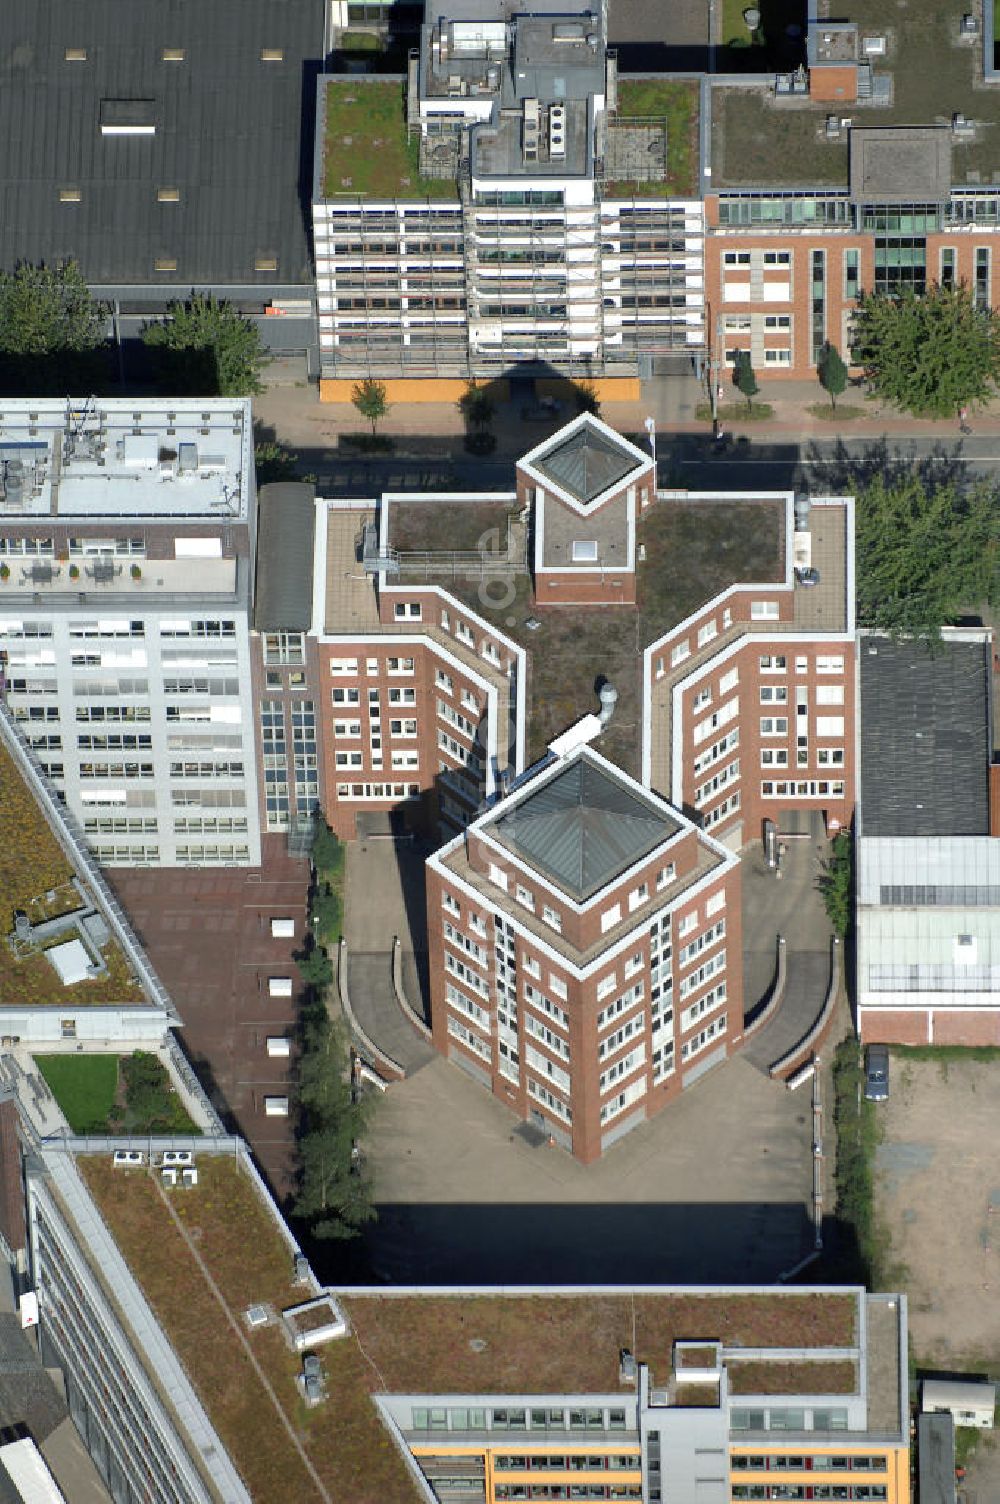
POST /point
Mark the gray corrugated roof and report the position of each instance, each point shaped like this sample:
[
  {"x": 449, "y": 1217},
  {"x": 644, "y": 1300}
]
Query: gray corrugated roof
[
  {"x": 229, "y": 135},
  {"x": 286, "y": 529},
  {"x": 583, "y": 828},
  {"x": 924, "y": 738},
  {"x": 586, "y": 464}
]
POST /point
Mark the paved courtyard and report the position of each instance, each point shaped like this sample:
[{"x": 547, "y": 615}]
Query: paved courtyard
[
  {"x": 938, "y": 1199},
  {"x": 715, "y": 1188}
]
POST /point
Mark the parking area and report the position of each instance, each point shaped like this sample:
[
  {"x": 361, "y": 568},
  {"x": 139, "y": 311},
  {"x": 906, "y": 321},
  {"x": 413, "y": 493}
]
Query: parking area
[
  {"x": 715, "y": 1188},
  {"x": 938, "y": 1202},
  {"x": 209, "y": 936}
]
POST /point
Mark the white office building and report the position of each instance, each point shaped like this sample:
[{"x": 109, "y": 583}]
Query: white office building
[
  {"x": 126, "y": 567},
  {"x": 531, "y": 219}
]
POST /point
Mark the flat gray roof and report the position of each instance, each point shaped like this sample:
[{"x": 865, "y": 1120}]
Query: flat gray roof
[
  {"x": 925, "y": 743},
  {"x": 285, "y": 535},
  {"x": 893, "y": 164},
  {"x": 936, "y": 1459}
]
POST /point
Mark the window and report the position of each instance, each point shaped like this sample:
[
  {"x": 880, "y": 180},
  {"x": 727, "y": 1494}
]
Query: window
[
  {"x": 343, "y": 696},
  {"x": 707, "y": 632},
  {"x": 774, "y": 725},
  {"x": 343, "y": 665},
  {"x": 524, "y": 897},
  {"x": 829, "y": 725},
  {"x": 279, "y": 647},
  {"x": 764, "y": 610},
  {"x": 165, "y": 264},
  {"x": 773, "y": 663},
  {"x": 665, "y": 877},
  {"x": 946, "y": 275},
  {"x": 779, "y": 321},
  {"x": 679, "y": 653},
  {"x": 638, "y": 897},
  {"x": 982, "y": 284},
  {"x": 168, "y": 195},
  {"x": 736, "y": 258},
  {"x": 498, "y": 877},
  {"x": 729, "y": 681},
  {"x": 407, "y": 610},
  {"x": 777, "y": 258},
  {"x": 610, "y": 918},
  {"x": 852, "y": 275},
  {"x": 774, "y": 694},
  {"x": 584, "y": 551},
  {"x": 829, "y": 665},
  {"x": 773, "y": 357},
  {"x": 829, "y": 694},
  {"x": 818, "y": 303},
  {"x": 272, "y": 54},
  {"x": 552, "y": 918},
  {"x": 172, "y": 55},
  {"x": 70, "y": 195},
  {"x": 75, "y": 54}
]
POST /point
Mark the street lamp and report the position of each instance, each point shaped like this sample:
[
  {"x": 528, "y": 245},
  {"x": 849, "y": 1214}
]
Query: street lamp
[{"x": 651, "y": 430}]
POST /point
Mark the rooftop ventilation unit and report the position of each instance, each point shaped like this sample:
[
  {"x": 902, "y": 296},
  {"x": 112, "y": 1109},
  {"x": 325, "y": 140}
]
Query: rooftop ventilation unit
[
  {"x": 557, "y": 131},
  {"x": 874, "y": 46},
  {"x": 531, "y": 130},
  {"x": 608, "y": 696}
]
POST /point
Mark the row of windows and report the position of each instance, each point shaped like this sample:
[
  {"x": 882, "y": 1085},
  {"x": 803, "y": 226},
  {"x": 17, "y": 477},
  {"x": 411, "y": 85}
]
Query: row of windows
[
  {"x": 782, "y": 1462},
  {"x": 552, "y": 1462},
  {"x": 567, "y": 1491},
  {"x": 870, "y": 1491}
]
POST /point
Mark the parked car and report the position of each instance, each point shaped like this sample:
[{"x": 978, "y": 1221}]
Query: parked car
[{"x": 877, "y": 1072}]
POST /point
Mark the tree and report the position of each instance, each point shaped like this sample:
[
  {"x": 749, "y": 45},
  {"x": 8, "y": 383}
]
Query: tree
[
  {"x": 836, "y": 883},
  {"x": 587, "y": 400},
  {"x": 925, "y": 552},
  {"x": 930, "y": 354},
  {"x": 832, "y": 372},
  {"x": 274, "y": 462},
  {"x": 315, "y": 967},
  {"x": 334, "y": 1192},
  {"x": 205, "y": 348},
  {"x": 369, "y": 397},
  {"x": 52, "y": 331},
  {"x": 476, "y": 406},
  {"x": 744, "y": 379}
]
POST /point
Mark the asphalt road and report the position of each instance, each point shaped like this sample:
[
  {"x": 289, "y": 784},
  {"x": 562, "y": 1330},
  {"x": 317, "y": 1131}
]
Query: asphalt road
[{"x": 691, "y": 461}]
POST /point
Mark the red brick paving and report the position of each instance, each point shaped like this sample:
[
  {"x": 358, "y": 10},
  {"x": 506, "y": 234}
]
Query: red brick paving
[{"x": 208, "y": 934}]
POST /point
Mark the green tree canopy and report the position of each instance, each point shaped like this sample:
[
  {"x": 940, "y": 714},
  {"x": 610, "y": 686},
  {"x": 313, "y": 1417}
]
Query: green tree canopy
[
  {"x": 925, "y": 553},
  {"x": 51, "y": 330},
  {"x": 334, "y": 1192},
  {"x": 476, "y": 405},
  {"x": 371, "y": 401},
  {"x": 836, "y": 883},
  {"x": 205, "y": 348},
  {"x": 744, "y": 378},
  {"x": 930, "y": 354},
  {"x": 832, "y": 372}
]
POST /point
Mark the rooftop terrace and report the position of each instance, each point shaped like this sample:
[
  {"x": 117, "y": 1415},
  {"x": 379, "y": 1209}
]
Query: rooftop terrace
[
  {"x": 693, "y": 552},
  {"x": 758, "y": 143},
  {"x": 366, "y": 150},
  {"x": 37, "y": 879}
]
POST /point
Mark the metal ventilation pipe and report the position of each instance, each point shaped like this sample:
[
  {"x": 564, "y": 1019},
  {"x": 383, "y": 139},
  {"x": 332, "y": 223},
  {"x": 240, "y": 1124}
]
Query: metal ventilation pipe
[{"x": 608, "y": 697}]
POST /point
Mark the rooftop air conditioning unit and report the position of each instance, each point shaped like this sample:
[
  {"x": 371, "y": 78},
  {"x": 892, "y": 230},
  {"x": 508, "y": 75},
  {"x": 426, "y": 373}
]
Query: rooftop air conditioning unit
[
  {"x": 557, "y": 131},
  {"x": 168, "y": 1176},
  {"x": 874, "y": 46}
]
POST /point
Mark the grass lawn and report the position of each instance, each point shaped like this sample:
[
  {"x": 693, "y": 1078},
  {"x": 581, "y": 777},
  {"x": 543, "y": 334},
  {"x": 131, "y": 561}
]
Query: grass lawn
[
  {"x": 360, "y": 41},
  {"x": 368, "y": 152},
  {"x": 85, "y": 1086},
  {"x": 93, "y": 1092},
  {"x": 677, "y": 103}
]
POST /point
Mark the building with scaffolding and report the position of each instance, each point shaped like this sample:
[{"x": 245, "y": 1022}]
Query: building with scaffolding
[{"x": 521, "y": 210}]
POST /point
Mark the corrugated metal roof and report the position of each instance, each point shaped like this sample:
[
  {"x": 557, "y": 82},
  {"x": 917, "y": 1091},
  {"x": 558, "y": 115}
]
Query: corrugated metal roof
[
  {"x": 229, "y": 135},
  {"x": 583, "y": 828},
  {"x": 924, "y": 738},
  {"x": 286, "y": 527}
]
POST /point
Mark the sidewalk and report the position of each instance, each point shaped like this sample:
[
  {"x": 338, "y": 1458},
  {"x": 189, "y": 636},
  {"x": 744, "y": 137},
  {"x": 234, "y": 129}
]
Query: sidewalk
[{"x": 317, "y": 431}]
